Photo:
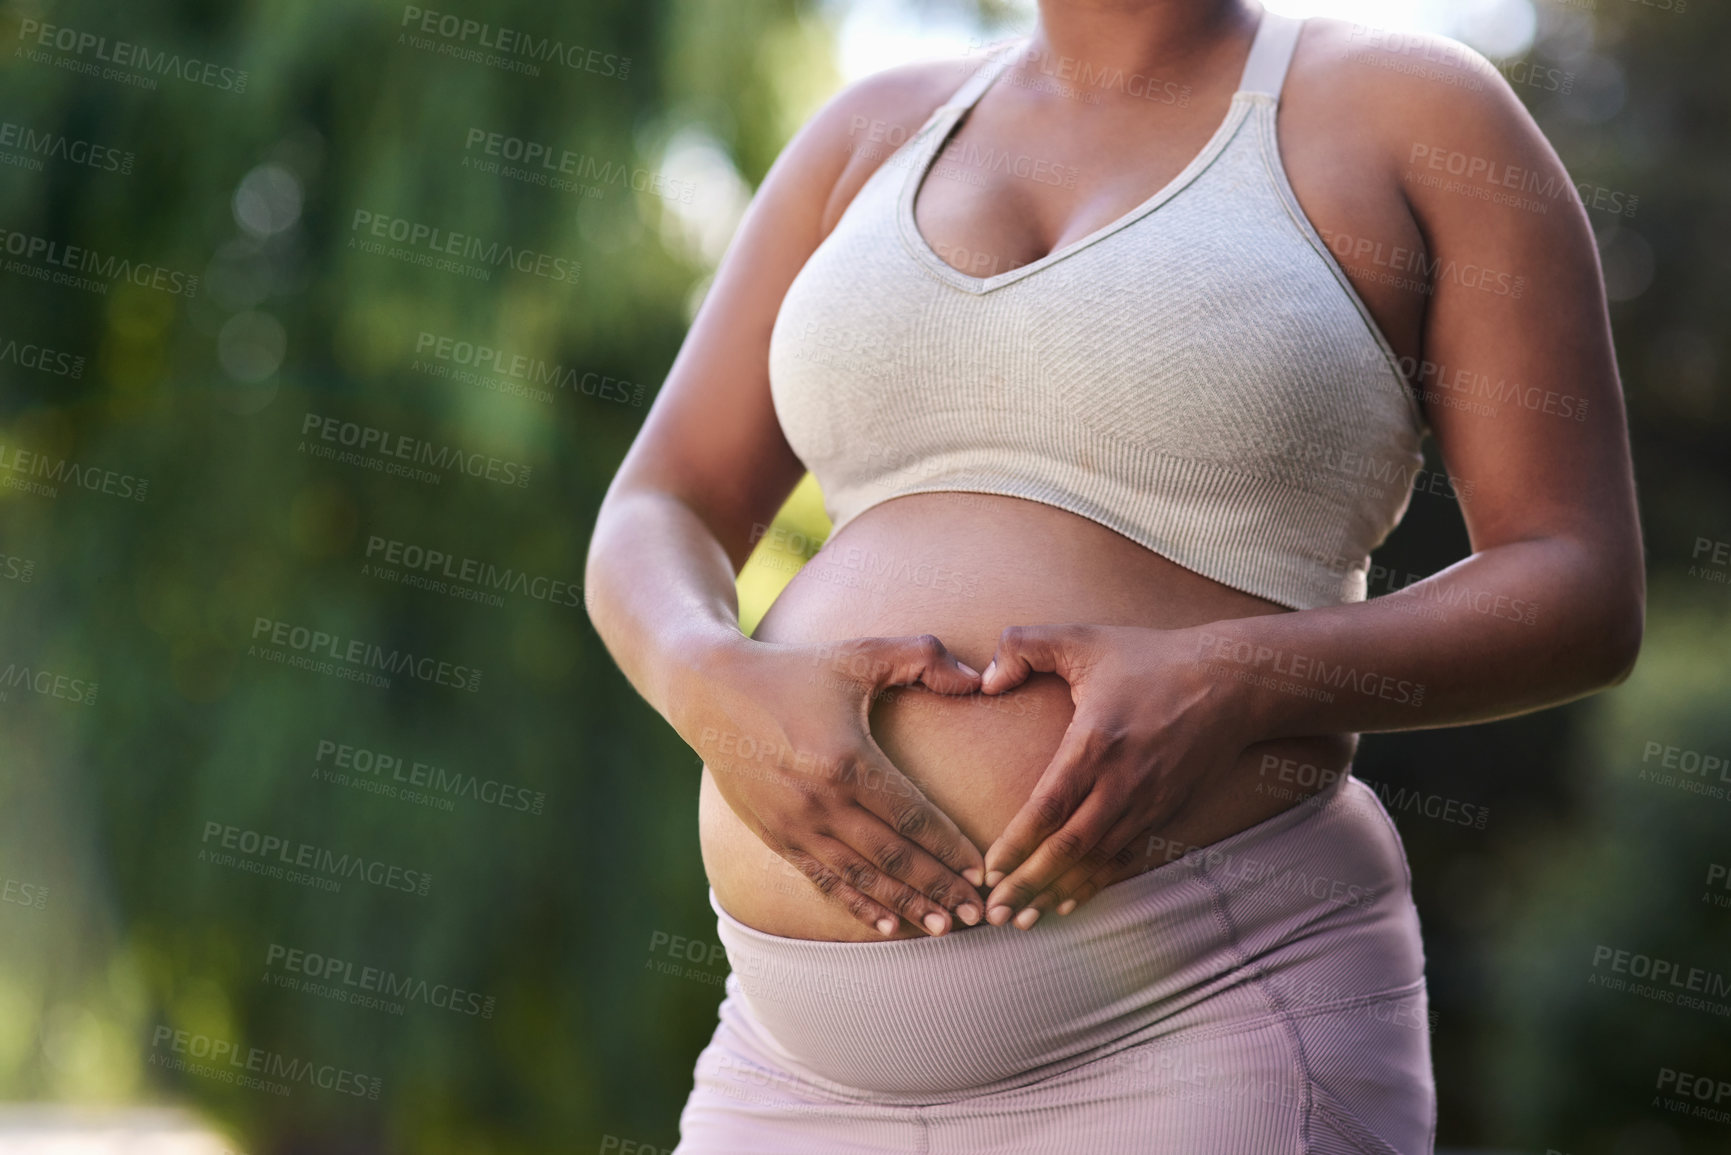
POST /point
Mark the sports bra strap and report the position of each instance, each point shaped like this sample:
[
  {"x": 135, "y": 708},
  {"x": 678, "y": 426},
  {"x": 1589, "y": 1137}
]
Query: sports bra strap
[
  {"x": 998, "y": 57},
  {"x": 1270, "y": 53}
]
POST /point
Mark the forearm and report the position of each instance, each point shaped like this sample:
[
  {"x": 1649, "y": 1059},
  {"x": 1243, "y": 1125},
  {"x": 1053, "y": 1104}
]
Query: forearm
[
  {"x": 1515, "y": 628},
  {"x": 660, "y": 591}
]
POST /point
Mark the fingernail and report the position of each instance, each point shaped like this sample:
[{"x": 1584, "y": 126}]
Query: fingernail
[
  {"x": 968, "y": 913},
  {"x": 934, "y": 922},
  {"x": 998, "y": 915},
  {"x": 1028, "y": 917},
  {"x": 967, "y": 669},
  {"x": 973, "y": 875},
  {"x": 887, "y": 925},
  {"x": 993, "y": 877},
  {"x": 990, "y": 666},
  {"x": 1067, "y": 906}
]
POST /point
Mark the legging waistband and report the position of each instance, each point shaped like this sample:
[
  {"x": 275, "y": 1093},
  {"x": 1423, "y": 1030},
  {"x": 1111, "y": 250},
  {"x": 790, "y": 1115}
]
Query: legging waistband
[{"x": 1306, "y": 909}]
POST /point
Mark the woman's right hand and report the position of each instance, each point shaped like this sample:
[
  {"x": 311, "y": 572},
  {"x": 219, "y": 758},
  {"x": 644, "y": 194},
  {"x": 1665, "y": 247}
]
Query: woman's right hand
[{"x": 785, "y": 731}]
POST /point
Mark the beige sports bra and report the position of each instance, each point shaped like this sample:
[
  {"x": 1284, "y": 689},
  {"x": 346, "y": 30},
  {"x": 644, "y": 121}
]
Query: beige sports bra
[{"x": 1198, "y": 375}]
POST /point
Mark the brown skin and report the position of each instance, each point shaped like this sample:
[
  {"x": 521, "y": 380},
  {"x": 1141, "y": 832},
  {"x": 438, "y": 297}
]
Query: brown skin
[{"x": 1130, "y": 723}]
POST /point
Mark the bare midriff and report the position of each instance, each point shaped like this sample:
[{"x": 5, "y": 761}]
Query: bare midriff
[{"x": 963, "y": 566}]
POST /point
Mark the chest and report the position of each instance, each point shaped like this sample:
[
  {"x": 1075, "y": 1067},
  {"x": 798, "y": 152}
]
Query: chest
[{"x": 998, "y": 193}]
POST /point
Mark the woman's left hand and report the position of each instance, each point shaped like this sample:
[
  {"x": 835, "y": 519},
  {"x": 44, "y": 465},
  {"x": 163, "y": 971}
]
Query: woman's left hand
[{"x": 1150, "y": 723}]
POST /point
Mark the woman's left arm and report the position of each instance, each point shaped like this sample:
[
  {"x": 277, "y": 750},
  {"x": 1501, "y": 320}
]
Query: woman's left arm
[{"x": 1548, "y": 607}]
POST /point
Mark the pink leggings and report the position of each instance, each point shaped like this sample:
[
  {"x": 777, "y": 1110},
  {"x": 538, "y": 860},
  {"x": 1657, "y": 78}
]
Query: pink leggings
[{"x": 1258, "y": 996}]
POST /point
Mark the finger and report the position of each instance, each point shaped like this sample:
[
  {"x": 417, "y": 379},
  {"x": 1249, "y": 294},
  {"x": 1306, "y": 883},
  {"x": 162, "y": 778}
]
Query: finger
[
  {"x": 937, "y": 888},
  {"x": 1067, "y": 779},
  {"x": 831, "y": 885},
  {"x": 926, "y": 660},
  {"x": 1109, "y": 857},
  {"x": 1064, "y": 848},
  {"x": 1116, "y": 869},
  {"x": 1024, "y": 649},
  {"x": 864, "y": 876},
  {"x": 1083, "y": 893},
  {"x": 885, "y": 791}
]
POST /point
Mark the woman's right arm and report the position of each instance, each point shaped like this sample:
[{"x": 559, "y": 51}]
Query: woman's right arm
[{"x": 709, "y": 465}]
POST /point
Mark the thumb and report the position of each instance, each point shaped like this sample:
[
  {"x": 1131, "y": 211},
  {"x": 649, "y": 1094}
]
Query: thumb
[
  {"x": 1024, "y": 649},
  {"x": 923, "y": 659}
]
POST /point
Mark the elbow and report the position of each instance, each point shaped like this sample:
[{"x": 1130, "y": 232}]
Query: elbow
[
  {"x": 1607, "y": 612},
  {"x": 595, "y": 566},
  {"x": 1619, "y": 639},
  {"x": 595, "y": 586},
  {"x": 1621, "y": 658}
]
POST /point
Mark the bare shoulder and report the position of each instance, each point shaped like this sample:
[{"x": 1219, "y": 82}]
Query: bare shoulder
[
  {"x": 1421, "y": 108},
  {"x": 1393, "y": 77},
  {"x": 860, "y": 127}
]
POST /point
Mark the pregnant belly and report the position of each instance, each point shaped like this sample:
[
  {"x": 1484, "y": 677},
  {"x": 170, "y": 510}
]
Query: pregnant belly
[{"x": 964, "y": 566}]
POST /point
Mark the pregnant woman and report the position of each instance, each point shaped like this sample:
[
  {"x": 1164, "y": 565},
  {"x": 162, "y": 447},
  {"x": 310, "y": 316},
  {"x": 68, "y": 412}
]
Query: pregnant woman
[{"x": 1027, "y": 809}]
